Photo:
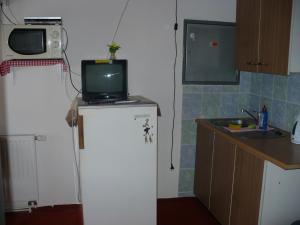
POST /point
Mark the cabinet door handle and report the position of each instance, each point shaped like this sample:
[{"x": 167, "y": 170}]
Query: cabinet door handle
[
  {"x": 80, "y": 132},
  {"x": 251, "y": 63},
  {"x": 262, "y": 64}
]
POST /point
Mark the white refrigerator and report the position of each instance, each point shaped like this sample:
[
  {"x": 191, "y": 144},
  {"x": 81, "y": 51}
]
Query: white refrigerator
[{"x": 118, "y": 163}]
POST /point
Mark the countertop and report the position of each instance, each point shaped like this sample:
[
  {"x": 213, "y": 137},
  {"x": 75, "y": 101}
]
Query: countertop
[{"x": 279, "y": 151}]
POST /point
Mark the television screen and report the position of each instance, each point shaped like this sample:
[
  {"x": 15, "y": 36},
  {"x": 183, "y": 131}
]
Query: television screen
[{"x": 105, "y": 80}]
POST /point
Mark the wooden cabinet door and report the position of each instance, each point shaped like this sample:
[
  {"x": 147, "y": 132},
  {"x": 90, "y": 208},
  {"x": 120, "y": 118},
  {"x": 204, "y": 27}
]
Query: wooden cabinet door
[
  {"x": 274, "y": 42},
  {"x": 222, "y": 178},
  {"x": 246, "y": 189},
  {"x": 247, "y": 33},
  {"x": 204, "y": 152}
]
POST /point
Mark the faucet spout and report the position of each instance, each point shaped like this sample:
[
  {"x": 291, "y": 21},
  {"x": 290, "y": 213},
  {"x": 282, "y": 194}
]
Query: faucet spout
[{"x": 250, "y": 114}]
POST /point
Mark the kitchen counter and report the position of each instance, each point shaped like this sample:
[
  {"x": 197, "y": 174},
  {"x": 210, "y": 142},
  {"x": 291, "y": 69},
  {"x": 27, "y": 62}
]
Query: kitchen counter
[{"x": 279, "y": 151}]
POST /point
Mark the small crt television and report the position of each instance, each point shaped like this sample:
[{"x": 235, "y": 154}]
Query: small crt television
[{"x": 104, "y": 80}]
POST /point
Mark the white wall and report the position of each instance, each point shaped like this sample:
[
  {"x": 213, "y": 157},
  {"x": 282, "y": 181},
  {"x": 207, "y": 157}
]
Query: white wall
[
  {"x": 146, "y": 37},
  {"x": 2, "y": 216}
]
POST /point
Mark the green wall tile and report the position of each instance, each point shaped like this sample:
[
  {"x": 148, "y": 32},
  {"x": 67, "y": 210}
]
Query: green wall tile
[
  {"x": 210, "y": 105},
  {"x": 191, "y": 89},
  {"x": 186, "y": 178},
  {"x": 231, "y": 88},
  {"x": 188, "y": 132}
]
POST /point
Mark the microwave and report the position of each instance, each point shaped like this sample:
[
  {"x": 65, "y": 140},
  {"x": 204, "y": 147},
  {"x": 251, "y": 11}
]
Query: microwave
[{"x": 31, "y": 41}]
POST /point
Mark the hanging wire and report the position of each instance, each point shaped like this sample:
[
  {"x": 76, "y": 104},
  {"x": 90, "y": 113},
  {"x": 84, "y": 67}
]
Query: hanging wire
[
  {"x": 1, "y": 5},
  {"x": 68, "y": 62},
  {"x": 67, "y": 39},
  {"x": 11, "y": 13},
  {"x": 120, "y": 20},
  {"x": 174, "y": 82},
  {"x": 65, "y": 50},
  {"x": 70, "y": 72}
]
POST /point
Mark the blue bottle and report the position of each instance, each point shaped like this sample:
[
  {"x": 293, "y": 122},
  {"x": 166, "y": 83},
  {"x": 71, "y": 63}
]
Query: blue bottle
[{"x": 263, "y": 118}]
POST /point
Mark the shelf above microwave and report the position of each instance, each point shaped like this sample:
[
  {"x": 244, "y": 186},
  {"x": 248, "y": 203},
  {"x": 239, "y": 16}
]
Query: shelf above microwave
[{"x": 5, "y": 66}]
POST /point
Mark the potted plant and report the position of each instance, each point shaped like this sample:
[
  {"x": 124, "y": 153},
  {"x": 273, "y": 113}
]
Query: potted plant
[{"x": 113, "y": 48}]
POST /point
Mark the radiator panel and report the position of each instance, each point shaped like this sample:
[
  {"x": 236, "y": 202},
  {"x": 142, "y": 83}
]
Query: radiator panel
[{"x": 19, "y": 168}]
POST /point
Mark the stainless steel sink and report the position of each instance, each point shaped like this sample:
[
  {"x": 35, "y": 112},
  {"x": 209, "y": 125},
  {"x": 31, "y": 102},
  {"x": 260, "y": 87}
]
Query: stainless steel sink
[
  {"x": 244, "y": 122},
  {"x": 276, "y": 133}
]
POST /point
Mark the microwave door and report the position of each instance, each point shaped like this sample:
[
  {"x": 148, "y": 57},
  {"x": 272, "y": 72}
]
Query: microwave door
[{"x": 28, "y": 41}]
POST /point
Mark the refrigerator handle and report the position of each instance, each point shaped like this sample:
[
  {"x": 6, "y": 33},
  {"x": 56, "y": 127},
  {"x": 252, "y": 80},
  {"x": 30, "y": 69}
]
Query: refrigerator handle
[{"x": 80, "y": 132}]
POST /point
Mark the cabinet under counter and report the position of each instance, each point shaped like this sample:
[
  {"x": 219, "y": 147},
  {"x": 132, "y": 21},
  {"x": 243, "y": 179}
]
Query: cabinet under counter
[{"x": 244, "y": 181}]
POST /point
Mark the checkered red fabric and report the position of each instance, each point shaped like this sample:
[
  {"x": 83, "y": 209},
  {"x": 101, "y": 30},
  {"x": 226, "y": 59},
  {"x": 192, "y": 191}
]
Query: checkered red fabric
[{"x": 6, "y": 65}]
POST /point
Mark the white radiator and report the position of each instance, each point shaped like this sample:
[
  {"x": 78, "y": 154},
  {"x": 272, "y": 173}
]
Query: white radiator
[{"x": 19, "y": 168}]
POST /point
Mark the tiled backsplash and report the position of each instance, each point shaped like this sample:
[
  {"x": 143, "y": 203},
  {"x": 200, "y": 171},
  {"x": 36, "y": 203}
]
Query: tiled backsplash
[{"x": 280, "y": 94}]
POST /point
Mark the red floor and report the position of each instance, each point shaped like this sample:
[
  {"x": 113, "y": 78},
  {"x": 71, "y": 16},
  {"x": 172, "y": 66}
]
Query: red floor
[
  {"x": 183, "y": 211},
  {"x": 58, "y": 215},
  {"x": 177, "y": 211}
]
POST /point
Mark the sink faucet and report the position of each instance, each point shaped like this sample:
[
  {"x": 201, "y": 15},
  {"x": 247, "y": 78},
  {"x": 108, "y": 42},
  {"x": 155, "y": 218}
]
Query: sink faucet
[{"x": 250, "y": 114}]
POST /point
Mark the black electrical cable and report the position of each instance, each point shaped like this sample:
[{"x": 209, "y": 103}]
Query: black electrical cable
[
  {"x": 174, "y": 82},
  {"x": 67, "y": 59},
  {"x": 120, "y": 20},
  {"x": 66, "y": 47},
  {"x": 69, "y": 71},
  {"x": 11, "y": 13},
  {"x": 6, "y": 15},
  {"x": 67, "y": 39}
]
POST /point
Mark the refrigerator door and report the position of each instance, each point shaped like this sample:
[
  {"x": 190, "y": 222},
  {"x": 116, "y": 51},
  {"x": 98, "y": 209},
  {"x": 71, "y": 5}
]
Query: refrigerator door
[{"x": 118, "y": 166}]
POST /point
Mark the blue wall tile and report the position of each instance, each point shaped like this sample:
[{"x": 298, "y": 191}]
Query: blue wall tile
[
  {"x": 191, "y": 106},
  {"x": 244, "y": 102},
  {"x": 245, "y": 81},
  {"x": 294, "y": 89},
  {"x": 256, "y": 84},
  {"x": 267, "y": 85},
  {"x": 280, "y": 88},
  {"x": 254, "y": 103},
  {"x": 279, "y": 113},
  {"x": 229, "y": 105}
]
